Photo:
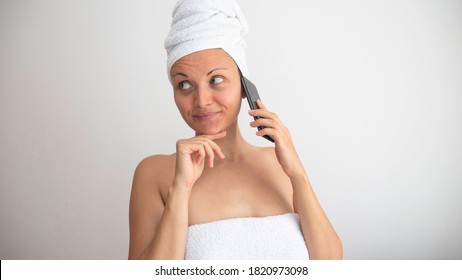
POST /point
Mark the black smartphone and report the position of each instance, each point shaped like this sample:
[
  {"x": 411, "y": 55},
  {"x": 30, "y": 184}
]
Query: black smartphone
[{"x": 252, "y": 96}]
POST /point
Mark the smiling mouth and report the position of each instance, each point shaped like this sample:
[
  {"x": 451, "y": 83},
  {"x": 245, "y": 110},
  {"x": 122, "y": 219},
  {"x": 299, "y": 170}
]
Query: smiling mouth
[{"x": 205, "y": 116}]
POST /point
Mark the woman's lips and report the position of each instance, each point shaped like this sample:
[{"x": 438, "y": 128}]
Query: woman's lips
[{"x": 205, "y": 116}]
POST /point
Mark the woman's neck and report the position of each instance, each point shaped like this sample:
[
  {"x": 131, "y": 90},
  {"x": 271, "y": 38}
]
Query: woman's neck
[{"x": 233, "y": 145}]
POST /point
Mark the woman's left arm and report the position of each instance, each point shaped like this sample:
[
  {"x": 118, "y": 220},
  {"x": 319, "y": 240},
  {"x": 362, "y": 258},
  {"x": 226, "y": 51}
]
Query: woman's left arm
[{"x": 320, "y": 237}]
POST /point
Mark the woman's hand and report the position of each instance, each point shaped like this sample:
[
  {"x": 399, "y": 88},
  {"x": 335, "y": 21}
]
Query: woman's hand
[
  {"x": 285, "y": 150},
  {"x": 191, "y": 155},
  {"x": 321, "y": 239}
]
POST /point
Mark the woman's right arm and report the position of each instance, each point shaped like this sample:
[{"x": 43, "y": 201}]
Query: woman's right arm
[{"x": 158, "y": 229}]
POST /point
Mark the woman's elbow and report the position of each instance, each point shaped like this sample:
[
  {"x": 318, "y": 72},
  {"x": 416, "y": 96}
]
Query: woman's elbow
[
  {"x": 332, "y": 252},
  {"x": 337, "y": 251}
]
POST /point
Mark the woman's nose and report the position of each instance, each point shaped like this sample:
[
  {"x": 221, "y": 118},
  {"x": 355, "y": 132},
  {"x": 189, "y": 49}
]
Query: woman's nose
[{"x": 203, "y": 97}]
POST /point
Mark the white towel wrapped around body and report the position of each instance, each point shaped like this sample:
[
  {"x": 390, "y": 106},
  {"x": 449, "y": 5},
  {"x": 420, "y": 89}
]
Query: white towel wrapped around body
[{"x": 259, "y": 238}]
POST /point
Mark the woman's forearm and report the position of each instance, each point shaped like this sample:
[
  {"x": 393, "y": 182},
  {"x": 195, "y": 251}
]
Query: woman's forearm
[
  {"x": 169, "y": 241},
  {"x": 321, "y": 239}
]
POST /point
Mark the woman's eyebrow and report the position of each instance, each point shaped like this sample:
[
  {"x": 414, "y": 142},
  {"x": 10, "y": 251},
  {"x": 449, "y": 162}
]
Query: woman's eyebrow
[
  {"x": 181, "y": 74},
  {"x": 216, "y": 70},
  {"x": 184, "y": 75}
]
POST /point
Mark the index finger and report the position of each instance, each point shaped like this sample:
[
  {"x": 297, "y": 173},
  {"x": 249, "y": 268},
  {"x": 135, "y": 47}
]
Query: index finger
[
  {"x": 209, "y": 139},
  {"x": 261, "y": 105}
]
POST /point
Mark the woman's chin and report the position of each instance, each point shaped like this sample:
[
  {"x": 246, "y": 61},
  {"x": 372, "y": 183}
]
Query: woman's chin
[{"x": 208, "y": 132}]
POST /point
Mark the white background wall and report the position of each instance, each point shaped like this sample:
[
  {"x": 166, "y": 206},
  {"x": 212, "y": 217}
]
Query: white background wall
[{"x": 371, "y": 91}]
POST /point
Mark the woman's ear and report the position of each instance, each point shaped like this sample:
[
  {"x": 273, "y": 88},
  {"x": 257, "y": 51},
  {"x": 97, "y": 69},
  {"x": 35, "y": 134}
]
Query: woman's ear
[{"x": 243, "y": 94}]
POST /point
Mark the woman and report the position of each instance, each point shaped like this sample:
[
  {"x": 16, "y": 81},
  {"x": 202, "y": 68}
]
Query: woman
[{"x": 218, "y": 197}]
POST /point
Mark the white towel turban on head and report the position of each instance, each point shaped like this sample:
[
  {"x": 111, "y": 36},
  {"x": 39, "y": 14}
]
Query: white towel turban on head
[{"x": 206, "y": 24}]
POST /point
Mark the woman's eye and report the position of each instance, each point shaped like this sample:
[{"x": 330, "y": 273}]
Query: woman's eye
[
  {"x": 216, "y": 80},
  {"x": 184, "y": 85}
]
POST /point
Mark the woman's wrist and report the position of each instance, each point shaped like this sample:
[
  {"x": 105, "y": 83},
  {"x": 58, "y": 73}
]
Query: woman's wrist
[
  {"x": 299, "y": 179},
  {"x": 181, "y": 186},
  {"x": 178, "y": 197}
]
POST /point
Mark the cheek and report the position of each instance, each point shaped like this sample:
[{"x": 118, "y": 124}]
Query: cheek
[
  {"x": 181, "y": 103},
  {"x": 225, "y": 99},
  {"x": 231, "y": 97}
]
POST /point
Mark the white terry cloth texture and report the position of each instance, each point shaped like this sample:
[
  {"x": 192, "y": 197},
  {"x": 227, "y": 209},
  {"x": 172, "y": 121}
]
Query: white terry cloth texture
[
  {"x": 276, "y": 237},
  {"x": 206, "y": 24}
]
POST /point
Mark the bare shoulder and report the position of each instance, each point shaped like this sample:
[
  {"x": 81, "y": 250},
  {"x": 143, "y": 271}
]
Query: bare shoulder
[
  {"x": 269, "y": 151},
  {"x": 155, "y": 165},
  {"x": 269, "y": 162},
  {"x": 154, "y": 172},
  {"x": 266, "y": 153}
]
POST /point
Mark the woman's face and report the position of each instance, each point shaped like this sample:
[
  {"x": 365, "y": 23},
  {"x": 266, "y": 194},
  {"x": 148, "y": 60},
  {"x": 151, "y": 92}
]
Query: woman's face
[{"x": 207, "y": 90}]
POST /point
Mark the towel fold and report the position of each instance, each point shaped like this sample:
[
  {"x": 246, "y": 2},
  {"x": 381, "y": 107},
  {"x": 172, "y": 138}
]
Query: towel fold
[
  {"x": 206, "y": 24},
  {"x": 274, "y": 237}
]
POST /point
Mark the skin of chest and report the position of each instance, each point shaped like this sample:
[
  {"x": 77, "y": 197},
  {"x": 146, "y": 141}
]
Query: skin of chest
[{"x": 244, "y": 189}]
